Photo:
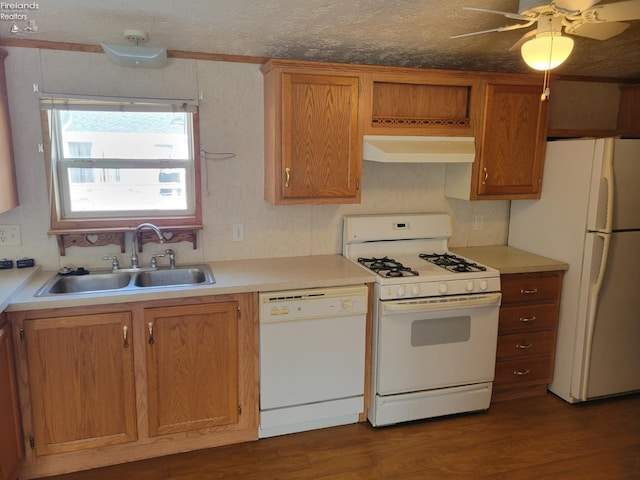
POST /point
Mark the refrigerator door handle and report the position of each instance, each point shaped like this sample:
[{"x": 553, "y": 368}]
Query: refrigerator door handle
[
  {"x": 593, "y": 307},
  {"x": 607, "y": 178}
]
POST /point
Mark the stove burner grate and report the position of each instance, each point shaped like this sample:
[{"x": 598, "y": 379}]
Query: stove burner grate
[
  {"x": 452, "y": 263},
  {"x": 387, "y": 267}
]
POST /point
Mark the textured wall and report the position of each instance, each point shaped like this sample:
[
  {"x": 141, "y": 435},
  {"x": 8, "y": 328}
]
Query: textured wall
[{"x": 231, "y": 120}]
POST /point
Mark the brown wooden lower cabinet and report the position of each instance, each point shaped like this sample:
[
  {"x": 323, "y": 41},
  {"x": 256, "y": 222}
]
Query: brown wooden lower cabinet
[
  {"x": 11, "y": 450},
  {"x": 526, "y": 333},
  {"x": 107, "y": 384}
]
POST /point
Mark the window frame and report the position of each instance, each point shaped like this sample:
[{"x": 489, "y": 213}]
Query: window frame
[{"x": 128, "y": 220}]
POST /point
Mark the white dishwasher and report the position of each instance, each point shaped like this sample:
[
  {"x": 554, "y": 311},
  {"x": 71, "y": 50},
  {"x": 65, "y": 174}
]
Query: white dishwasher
[{"x": 312, "y": 347}]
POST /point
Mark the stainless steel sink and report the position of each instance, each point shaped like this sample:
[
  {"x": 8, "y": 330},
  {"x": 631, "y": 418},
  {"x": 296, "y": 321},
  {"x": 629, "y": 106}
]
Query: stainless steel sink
[
  {"x": 93, "y": 282},
  {"x": 188, "y": 275},
  {"x": 105, "y": 281}
]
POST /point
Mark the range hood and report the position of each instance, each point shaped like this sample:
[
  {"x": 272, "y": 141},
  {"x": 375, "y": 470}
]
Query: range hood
[{"x": 412, "y": 149}]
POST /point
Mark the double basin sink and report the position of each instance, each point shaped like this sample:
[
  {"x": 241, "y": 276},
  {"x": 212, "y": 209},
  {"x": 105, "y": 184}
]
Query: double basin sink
[{"x": 139, "y": 279}]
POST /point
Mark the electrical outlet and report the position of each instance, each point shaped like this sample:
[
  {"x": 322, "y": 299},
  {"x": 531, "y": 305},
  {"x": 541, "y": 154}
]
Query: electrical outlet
[
  {"x": 10, "y": 236},
  {"x": 238, "y": 232},
  {"x": 478, "y": 222}
]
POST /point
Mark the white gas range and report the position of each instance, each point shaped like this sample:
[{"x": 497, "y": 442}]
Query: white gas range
[{"x": 435, "y": 317}]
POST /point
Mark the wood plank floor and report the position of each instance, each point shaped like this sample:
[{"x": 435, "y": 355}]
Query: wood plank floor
[{"x": 536, "y": 438}]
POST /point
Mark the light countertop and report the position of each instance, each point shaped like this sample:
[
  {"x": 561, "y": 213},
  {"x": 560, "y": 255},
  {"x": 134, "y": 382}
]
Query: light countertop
[
  {"x": 12, "y": 280},
  {"x": 232, "y": 276},
  {"x": 510, "y": 260}
]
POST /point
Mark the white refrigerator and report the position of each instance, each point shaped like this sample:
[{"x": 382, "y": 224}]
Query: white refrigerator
[{"x": 589, "y": 217}]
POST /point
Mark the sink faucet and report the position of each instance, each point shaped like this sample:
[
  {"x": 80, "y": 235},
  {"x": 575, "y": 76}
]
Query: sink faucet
[{"x": 134, "y": 241}]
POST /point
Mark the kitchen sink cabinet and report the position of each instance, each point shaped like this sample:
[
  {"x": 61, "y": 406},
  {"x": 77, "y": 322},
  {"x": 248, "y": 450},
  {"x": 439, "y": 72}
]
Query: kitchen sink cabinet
[
  {"x": 8, "y": 186},
  {"x": 181, "y": 376},
  {"x": 192, "y": 367},
  {"x": 510, "y": 147},
  {"x": 527, "y": 333},
  {"x": 313, "y": 147},
  {"x": 11, "y": 449},
  {"x": 81, "y": 381}
]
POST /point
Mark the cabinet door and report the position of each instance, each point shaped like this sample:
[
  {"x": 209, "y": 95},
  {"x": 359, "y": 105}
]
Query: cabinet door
[
  {"x": 192, "y": 367},
  {"x": 81, "y": 380},
  {"x": 320, "y": 137},
  {"x": 11, "y": 452},
  {"x": 513, "y": 142}
]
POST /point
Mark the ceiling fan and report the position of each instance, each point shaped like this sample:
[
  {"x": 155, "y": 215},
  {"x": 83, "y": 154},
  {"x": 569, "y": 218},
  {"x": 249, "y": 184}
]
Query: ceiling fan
[{"x": 545, "y": 47}]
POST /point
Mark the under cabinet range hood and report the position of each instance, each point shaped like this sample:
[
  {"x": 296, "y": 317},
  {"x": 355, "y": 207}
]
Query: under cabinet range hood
[{"x": 414, "y": 149}]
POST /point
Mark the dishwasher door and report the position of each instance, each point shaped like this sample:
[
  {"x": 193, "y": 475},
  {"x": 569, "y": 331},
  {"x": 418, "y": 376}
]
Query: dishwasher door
[{"x": 312, "y": 356}]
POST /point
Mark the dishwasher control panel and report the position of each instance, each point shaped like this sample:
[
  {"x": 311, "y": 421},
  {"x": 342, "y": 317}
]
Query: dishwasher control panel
[{"x": 313, "y": 303}]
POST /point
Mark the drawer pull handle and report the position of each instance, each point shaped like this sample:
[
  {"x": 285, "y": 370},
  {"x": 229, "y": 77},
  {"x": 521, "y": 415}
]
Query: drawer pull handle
[
  {"x": 524, "y": 346},
  {"x": 486, "y": 176},
  {"x": 522, "y": 372},
  {"x": 528, "y": 319},
  {"x": 533, "y": 291},
  {"x": 125, "y": 336},
  {"x": 287, "y": 182}
]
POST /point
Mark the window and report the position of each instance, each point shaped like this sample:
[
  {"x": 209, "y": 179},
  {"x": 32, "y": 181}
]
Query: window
[{"x": 115, "y": 164}]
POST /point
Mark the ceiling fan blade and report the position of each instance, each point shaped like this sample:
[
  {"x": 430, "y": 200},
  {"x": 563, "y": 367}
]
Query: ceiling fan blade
[
  {"x": 575, "y": 5},
  {"x": 527, "y": 36},
  {"x": 514, "y": 16},
  {"x": 597, "y": 31},
  {"x": 615, "y": 12},
  {"x": 499, "y": 29}
]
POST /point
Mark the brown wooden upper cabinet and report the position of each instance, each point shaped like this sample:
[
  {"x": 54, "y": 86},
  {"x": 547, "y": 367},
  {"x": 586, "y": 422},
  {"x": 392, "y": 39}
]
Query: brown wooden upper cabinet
[
  {"x": 510, "y": 147},
  {"x": 628, "y": 117},
  {"x": 8, "y": 187},
  {"x": 312, "y": 140},
  {"x": 401, "y": 101}
]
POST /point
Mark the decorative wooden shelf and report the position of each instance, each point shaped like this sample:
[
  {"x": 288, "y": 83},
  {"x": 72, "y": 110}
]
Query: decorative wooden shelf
[
  {"x": 173, "y": 235},
  {"x": 71, "y": 238}
]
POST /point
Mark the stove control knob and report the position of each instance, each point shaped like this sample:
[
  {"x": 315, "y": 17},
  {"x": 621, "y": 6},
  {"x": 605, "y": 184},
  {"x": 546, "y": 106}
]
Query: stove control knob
[
  {"x": 443, "y": 288},
  {"x": 415, "y": 290},
  {"x": 470, "y": 286},
  {"x": 400, "y": 291},
  {"x": 347, "y": 305},
  {"x": 484, "y": 285}
]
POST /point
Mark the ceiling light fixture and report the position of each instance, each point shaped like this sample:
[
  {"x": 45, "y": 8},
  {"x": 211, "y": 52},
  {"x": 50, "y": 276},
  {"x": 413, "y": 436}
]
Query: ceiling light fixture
[
  {"x": 546, "y": 51},
  {"x": 135, "y": 55}
]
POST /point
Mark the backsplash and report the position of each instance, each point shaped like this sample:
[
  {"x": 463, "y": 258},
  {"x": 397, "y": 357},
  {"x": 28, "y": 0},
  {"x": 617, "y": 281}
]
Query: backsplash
[{"x": 231, "y": 120}]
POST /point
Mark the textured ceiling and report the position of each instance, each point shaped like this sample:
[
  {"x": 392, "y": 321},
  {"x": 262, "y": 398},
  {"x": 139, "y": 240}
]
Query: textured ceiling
[{"x": 382, "y": 32}]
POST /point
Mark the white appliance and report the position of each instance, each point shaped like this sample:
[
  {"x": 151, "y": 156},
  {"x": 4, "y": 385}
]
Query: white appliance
[
  {"x": 589, "y": 217},
  {"x": 312, "y": 355},
  {"x": 435, "y": 318}
]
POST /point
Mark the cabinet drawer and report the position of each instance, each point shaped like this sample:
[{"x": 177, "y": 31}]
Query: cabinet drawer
[
  {"x": 534, "y": 288},
  {"x": 528, "y": 318},
  {"x": 523, "y": 370},
  {"x": 523, "y": 344}
]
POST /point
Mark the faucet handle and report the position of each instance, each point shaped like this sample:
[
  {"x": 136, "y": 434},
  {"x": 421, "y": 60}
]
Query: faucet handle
[
  {"x": 115, "y": 264},
  {"x": 154, "y": 259},
  {"x": 172, "y": 257}
]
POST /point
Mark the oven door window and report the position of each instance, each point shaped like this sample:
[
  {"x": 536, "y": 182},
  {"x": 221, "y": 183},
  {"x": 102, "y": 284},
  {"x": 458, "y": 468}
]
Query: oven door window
[{"x": 440, "y": 331}]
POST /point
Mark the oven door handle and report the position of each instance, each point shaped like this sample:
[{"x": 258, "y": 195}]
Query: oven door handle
[{"x": 447, "y": 303}]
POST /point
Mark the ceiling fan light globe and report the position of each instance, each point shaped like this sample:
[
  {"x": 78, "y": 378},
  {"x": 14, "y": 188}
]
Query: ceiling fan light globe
[{"x": 546, "y": 52}]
